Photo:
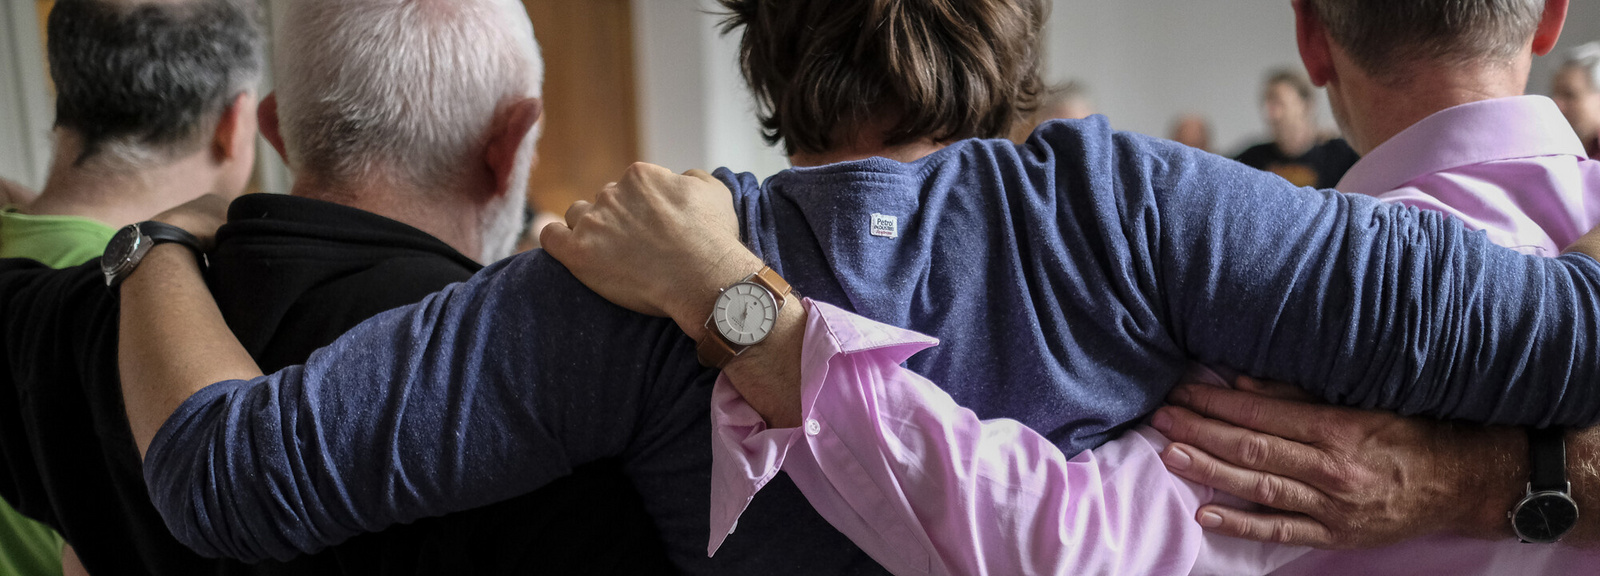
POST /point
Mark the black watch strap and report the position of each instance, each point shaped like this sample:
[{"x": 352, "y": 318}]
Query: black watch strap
[
  {"x": 1547, "y": 458},
  {"x": 162, "y": 233}
]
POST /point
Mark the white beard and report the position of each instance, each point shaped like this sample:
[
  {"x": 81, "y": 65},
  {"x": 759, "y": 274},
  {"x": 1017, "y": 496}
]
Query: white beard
[{"x": 502, "y": 218}]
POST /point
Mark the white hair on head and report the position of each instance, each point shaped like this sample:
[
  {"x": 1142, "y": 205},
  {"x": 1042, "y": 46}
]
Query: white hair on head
[
  {"x": 1585, "y": 57},
  {"x": 402, "y": 90}
]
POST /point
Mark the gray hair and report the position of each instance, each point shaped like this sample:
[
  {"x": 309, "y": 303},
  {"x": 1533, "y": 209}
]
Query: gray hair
[
  {"x": 144, "y": 83},
  {"x": 1587, "y": 58},
  {"x": 400, "y": 90},
  {"x": 1385, "y": 36}
]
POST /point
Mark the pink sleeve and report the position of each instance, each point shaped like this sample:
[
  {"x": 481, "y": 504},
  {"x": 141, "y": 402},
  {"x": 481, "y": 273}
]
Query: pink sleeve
[{"x": 925, "y": 487}]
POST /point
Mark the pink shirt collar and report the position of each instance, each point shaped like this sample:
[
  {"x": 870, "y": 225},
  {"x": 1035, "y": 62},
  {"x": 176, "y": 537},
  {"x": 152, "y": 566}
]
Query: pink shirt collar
[{"x": 1526, "y": 126}]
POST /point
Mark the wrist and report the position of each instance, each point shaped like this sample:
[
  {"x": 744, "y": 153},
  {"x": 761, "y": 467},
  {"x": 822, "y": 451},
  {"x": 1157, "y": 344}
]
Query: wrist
[
  {"x": 163, "y": 260},
  {"x": 693, "y": 300},
  {"x": 1489, "y": 466}
]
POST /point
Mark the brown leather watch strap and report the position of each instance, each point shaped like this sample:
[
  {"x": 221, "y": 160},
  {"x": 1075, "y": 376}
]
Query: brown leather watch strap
[
  {"x": 769, "y": 279},
  {"x": 713, "y": 350}
]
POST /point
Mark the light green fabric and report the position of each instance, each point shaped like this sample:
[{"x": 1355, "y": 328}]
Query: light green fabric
[
  {"x": 28, "y": 548},
  {"x": 56, "y": 241}
]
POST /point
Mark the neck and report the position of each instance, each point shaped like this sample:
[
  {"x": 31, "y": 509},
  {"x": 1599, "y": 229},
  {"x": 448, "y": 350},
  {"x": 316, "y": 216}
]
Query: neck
[
  {"x": 120, "y": 198},
  {"x": 1375, "y": 112},
  {"x": 1297, "y": 140},
  {"x": 909, "y": 152},
  {"x": 442, "y": 214}
]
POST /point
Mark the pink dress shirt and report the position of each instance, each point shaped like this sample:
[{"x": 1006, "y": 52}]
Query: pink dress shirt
[{"x": 925, "y": 487}]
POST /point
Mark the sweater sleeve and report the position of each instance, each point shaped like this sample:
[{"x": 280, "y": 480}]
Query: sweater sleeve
[
  {"x": 1365, "y": 303},
  {"x": 483, "y": 391}
]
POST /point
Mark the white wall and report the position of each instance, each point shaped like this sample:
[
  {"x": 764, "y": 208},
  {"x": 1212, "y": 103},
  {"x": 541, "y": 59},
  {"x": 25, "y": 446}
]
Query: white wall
[
  {"x": 26, "y": 110},
  {"x": 694, "y": 109},
  {"x": 1146, "y": 61}
]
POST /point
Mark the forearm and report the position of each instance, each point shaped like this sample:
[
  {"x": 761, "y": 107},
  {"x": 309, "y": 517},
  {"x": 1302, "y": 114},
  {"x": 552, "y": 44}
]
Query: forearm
[
  {"x": 467, "y": 398},
  {"x": 1496, "y": 474},
  {"x": 767, "y": 375},
  {"x": 915, "y": 480},
  {"x": 173, "y": 340}
]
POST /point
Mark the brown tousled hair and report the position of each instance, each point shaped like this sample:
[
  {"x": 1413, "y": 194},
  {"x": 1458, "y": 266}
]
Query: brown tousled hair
[{"x": 823, "y": 71}]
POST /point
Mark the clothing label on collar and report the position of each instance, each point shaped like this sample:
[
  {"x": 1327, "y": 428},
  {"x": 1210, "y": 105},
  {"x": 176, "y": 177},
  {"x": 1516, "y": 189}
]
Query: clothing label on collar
[{"x": 884, "y": 226}]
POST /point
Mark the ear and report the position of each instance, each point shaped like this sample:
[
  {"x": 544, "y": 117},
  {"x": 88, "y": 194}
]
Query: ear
[
  {"x": 236, "y": 130},
  {"x": 1315, "y": 46},
  {"x": 267, "y": 117},
  {"x": 511, "y": 127},
  {"x": 1555, "y": 18}
]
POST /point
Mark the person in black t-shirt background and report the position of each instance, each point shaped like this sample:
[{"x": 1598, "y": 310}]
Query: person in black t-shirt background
[{"x": 1299, "y": 151}]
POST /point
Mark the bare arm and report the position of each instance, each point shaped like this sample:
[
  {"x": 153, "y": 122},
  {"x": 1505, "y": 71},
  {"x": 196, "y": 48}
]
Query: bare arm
[
  {"x": 172, "y": 338},
  {"x": 1358, "y": 478}
]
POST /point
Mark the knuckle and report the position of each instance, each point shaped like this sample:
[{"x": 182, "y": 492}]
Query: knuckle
[
  {"x": 1254, "y": 451},
  {"x": 1282, "y": 532},
  {"x": 1267, "y": 490}
]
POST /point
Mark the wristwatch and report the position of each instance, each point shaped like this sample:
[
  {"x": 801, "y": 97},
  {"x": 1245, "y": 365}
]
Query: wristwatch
[
  {"x": 1548, "y": 511},
  {"x": 130, "y": 244},
  {"x": 743, "y": 316}
]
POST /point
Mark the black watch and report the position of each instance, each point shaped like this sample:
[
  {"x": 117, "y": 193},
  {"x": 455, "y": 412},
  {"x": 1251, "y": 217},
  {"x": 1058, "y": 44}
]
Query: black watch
[
  {"x": 1548, "y": 511},
  {"x": 130, "y": 244}
]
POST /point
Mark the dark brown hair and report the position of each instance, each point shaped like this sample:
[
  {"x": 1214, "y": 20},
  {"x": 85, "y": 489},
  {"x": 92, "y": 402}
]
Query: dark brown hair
[
  {"x": 1386, "y": 36},
  {"x": 823, "y": 71}
]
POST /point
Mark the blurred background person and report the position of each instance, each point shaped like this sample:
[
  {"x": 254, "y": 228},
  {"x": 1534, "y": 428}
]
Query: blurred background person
[
  {"x": 1298, "y": 151},
  {"x": 1576, "y": 90},
  {"x": 1192, "y": 130}
]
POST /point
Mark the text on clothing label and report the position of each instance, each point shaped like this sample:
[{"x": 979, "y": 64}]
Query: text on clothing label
[{"x": 884, "y": 226}]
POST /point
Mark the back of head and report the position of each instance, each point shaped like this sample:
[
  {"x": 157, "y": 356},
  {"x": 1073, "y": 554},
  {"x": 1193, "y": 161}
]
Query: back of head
[
  {"x": 145, "y": 82},
  {"x": 1295, "y": 79},
  {"x": 1385, "y": 37},
  {"x": 1585, "y": 58},
  {"x": 399, "y": 91},
  {"x": 825, "y": 72}
]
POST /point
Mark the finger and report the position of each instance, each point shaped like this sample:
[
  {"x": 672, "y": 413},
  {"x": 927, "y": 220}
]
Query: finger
[
  {"x": 576, "y": 211},
  {"x": 1272, "y": 389},
  {"x": 557, "y": 240},
  {"x": 1295, "y": 529},
  {"x": 1262, "y": 488},
  {"x": 1286, "y": 418},
  {"x": 1246, "y": 448}
]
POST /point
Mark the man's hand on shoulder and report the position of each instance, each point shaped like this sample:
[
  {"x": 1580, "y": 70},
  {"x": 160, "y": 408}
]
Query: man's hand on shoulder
[
  {"x": 1337, "y": 477},
  {"x": 656, "y": 243}
]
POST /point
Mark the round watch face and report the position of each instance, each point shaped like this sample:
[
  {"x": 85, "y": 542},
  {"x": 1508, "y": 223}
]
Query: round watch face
[
  {"x": 745, "y": 313},
  {"x": 120, "y": 249},
  {"x": 1545, "y": 517}
]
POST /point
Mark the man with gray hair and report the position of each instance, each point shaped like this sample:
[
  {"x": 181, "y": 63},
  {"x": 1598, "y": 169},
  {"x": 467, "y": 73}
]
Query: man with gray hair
[
  {"x": 410, "y": 173},
  {"x": 155, "y": 106}
]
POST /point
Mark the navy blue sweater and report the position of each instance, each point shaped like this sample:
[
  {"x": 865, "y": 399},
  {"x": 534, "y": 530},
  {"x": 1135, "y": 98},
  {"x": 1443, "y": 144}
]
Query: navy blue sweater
[{"x": 1071, "y": 280}]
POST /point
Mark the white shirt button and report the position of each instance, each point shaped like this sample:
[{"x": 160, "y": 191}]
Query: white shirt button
[{"x": 813, "y": 427}]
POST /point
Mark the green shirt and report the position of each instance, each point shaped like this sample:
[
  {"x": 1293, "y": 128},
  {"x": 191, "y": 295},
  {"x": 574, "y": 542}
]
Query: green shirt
[
  {"x": 28, "y": 548},
  {"x": 56, "y": 241}
]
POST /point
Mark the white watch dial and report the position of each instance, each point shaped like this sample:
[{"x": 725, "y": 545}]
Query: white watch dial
[{"x": 745, "y": 313}]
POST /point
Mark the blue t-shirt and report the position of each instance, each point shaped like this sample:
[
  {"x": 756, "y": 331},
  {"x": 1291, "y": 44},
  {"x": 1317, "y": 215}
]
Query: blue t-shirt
[{"x": 1070, "y": 279}]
